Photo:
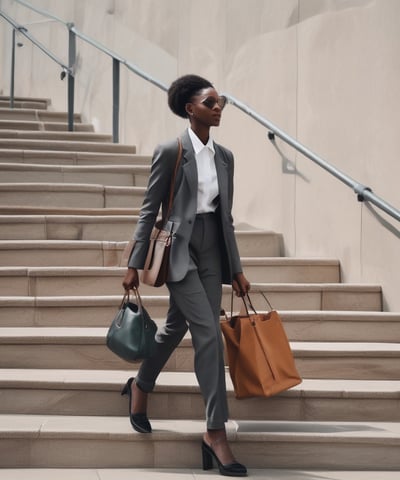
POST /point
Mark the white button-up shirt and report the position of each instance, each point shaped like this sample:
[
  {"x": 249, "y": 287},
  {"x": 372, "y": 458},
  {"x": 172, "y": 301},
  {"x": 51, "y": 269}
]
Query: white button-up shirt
[{"x": 207, "y": 190}]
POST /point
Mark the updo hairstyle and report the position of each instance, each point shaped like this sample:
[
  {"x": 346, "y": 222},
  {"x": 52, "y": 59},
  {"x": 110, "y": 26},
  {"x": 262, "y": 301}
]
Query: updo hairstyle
[{"x": 182, "y": 90}]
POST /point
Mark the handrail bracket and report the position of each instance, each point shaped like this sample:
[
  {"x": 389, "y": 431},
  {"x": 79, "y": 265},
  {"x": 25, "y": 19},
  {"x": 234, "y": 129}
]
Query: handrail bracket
[{"x": 360, "y": 189}]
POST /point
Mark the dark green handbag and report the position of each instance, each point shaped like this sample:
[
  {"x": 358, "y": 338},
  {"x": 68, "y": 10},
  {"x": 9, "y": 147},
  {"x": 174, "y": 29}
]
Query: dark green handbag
[{"x": 131, "y": 335}]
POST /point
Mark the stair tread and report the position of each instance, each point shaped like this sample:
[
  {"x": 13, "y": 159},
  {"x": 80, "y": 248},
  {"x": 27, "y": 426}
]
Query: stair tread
[
  {"x": 4, "y": 244},
  {"x": 69, "y": 157},
  {"x": 56, "y": 187},
  {"x": 98, "y": 334},
  {"x": 45, "y": 100},
  {"x": 66, "y": 212},
  {"x": 26, "y": 104},
  {"x": 72, "y": 145},
  {"x": 187, "y": 474},
  {"x": 64, "y": 218},
  {"x": 23, "y": 167},
  {"x": 39, "y": 125},
  {"x": 48, "y": 270},
  {"x": 76, "y": 244},
  {"x": 186, "y": 382},
  {"x": 119, "y": 428},
  {"x": 112, "y": 300},
  {"x": 56, "y": 244},
  {"x": 12, "y": 134}
]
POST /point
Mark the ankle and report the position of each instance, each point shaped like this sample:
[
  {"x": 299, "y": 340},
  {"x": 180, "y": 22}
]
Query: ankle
[
  {"x": 215, "y": 437},
  {"x": 139, "y": 388},
  {"x": 139, "y": 399}
]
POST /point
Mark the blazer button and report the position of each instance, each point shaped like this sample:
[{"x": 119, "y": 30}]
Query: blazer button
[{"x": 189, "y": 222}]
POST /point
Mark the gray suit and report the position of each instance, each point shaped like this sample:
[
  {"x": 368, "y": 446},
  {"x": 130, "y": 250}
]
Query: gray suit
[
  {"x": 184, "y": 207},
  {"x": 204, "y": 255}
]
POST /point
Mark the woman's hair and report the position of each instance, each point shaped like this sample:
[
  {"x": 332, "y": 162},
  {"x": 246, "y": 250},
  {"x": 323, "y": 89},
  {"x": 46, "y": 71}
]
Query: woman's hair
[{"x": 182, "y": 90}]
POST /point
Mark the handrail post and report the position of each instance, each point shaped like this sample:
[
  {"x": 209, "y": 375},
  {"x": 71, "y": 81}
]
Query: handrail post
[
  {"x": 116, "y": 91},
  {"x": 71, "y": 75},
  {"x": 12, "y": 69}
]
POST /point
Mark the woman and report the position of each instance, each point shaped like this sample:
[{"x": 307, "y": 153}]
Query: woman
[{"x": 204, "y": 255}]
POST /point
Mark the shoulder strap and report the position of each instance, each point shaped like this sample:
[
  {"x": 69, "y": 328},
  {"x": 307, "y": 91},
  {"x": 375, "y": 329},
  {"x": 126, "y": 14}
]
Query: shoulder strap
[{"x": 173, "y": 178}]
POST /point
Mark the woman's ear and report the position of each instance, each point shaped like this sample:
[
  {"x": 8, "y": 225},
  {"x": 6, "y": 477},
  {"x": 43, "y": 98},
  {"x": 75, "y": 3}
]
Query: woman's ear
[{"x": 189, "y": 109}]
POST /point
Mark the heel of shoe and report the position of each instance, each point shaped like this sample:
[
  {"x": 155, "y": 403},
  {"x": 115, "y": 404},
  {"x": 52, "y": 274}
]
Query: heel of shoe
[
  {"x": 207, "y": 457},
  {"x": 127, "y": 387},
  {"x": 234, "y": 469}
]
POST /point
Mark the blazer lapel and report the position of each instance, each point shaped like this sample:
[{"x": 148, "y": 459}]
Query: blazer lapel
[
  {"x": 189, "y": 169},
  {"x": 189, "y": 166}
]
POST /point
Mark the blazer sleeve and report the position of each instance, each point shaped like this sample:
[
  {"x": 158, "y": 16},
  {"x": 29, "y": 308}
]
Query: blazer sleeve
[
  {"x": 236, "y": 265},
  {"x": 233, "y": 257},
  {"x": 156, "y": 193}
]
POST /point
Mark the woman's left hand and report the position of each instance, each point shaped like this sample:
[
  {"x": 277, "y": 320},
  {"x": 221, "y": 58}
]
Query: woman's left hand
[{"x": 240, "y": 285}]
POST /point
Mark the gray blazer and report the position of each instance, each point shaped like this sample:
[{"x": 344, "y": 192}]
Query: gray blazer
[{"x": 184, "y": 208}]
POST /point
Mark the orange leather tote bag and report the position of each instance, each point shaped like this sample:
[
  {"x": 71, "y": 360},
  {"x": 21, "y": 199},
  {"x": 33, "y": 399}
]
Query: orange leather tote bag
[{"x": 261, "y": 362}]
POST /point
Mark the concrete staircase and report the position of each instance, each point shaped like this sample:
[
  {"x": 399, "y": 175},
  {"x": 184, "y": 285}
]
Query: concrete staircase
[{"x": 68, "y": 204}]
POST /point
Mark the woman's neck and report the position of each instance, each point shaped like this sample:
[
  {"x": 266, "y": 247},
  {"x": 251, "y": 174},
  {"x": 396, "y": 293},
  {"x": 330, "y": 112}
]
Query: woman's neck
[{"x": 202, "y": 132}]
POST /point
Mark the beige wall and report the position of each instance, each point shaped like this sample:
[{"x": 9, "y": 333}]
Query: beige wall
[{"x": 325, "y": 71}]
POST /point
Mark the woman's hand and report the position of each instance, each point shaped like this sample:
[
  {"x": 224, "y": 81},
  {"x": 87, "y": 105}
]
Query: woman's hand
[
  {"x": 131, "y": 279},
  {"x": 240, "y": 285}
]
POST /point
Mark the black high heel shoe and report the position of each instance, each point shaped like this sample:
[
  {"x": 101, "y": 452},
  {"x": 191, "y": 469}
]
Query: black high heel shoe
[
  {"x": 230, "y": 469},
  {"x": 139, "y": 421}
]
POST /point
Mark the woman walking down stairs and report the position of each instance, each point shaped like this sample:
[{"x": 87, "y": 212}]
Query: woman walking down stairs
[{"x": 68, "y": 204}]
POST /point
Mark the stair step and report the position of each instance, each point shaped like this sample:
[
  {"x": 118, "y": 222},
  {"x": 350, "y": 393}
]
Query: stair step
[
  {"x": 45, "y": 102},
  {"x": 50, "y": 281},
  {"x": 97, "y": 311},
  {"x": 64, "y": 157},
  {"x": 291, "y": 270},
  {"x": 67, "y": 227},
  {"x": 38, "y": 115},
  {"x": 65, "y": 211},
  {"x": 108, "y": 254},
  {"x": 120, "y": 175},
  {"x": 84, "y": 348},
  {"x": 342, "y": 326},
  {"x": 187, "y": 474},
  {"x": 74, "y": 146},
  {"x": 31, "y": 104},
  {"x": 45, "y": 136},
  {"x": 53, "y": 231},
  {"x": 43, "y": 126},
  {"x": 97, "y": 392},
  {"x": 53, "y": 253},
  {"x": 70, "y": 194},
  {"x": 336, "y": 360},
  {"x": 109, "y": 442}
]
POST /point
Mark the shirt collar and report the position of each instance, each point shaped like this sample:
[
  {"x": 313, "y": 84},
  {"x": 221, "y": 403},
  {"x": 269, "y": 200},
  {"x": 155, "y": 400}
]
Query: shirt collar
[{"x": 198, "y": 145}]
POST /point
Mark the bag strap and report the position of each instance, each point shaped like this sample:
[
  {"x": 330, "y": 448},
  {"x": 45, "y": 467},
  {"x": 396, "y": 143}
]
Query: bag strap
[
  {"x": 249, "y": 303},
  {"x": 173, "y": 178},
  {"x": 126, "y": 297}
]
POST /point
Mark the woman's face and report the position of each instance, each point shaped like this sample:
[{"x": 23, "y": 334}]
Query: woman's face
[{"x": 206, "y": 107}]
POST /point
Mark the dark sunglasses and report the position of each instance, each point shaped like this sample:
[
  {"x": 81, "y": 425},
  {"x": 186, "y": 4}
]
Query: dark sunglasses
[{"x": 210, "y": 102}]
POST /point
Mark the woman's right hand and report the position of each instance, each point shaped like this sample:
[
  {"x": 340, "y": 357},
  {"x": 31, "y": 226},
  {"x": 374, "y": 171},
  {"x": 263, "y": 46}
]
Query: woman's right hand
[{"x": 131, "y": 279}]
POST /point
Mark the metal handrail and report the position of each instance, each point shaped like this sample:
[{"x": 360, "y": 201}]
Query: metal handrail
[
  {"x": 24, "y": 31},
  {"x": 117, "y": 61},
  {"x": 66, "y": 70},
  {"x": 363, "y": 192},
  {"x": 41, "y": 12},
  {"x": 134, "y": 68}
]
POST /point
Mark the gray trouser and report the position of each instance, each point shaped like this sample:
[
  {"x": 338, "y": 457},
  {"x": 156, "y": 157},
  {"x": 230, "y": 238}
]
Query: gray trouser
[{"x": 195, "y": 302}]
